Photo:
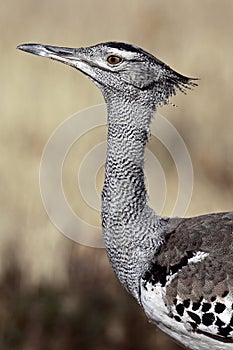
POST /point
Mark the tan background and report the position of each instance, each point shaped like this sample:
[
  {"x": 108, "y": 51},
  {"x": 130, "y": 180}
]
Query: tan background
[{"x": 55, "y": 294}]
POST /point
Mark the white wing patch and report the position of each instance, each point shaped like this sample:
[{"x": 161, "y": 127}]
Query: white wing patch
[{"x": 198, "y": 257}]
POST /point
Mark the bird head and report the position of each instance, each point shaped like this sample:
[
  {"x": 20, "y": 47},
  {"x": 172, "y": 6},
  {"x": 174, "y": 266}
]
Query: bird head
[{"x": 115, "y": 66}]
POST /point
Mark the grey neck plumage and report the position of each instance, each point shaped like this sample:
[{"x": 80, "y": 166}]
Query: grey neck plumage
[{"x": 132, "y": 231}]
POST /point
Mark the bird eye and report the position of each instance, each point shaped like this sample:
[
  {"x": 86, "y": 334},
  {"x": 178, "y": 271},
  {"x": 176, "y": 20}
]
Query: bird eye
[{"x": 113, "y": 59}]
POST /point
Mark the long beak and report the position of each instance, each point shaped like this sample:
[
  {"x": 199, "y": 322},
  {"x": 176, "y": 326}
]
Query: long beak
[{"x": 71, "y": 56}]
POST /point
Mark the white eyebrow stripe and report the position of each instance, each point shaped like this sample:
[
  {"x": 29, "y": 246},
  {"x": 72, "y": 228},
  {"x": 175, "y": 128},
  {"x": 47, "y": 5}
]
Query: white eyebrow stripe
[{"x": 122, "y": 53}]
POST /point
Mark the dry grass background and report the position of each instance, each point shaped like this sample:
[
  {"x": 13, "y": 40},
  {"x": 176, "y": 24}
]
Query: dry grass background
[{"x": 55, "y": 294}]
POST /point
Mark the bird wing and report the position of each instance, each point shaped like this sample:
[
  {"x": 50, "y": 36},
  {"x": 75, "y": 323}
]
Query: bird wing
[{"x": 190, "y": 279}]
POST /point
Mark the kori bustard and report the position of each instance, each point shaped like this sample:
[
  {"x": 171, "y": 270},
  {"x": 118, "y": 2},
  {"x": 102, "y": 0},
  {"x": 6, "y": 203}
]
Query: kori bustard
[{"x": 180, "y": 270}]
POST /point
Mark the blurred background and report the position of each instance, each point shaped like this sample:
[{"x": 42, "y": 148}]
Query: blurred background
[{"x": 56, "y": 294}]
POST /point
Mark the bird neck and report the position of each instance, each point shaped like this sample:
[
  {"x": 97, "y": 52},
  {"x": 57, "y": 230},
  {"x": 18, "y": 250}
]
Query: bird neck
[
  {"x": 128, "y": 130},
  {"x": 132, "y": 231}
]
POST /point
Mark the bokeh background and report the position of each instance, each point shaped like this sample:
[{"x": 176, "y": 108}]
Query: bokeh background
[{"x": 54, "y": 293}]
